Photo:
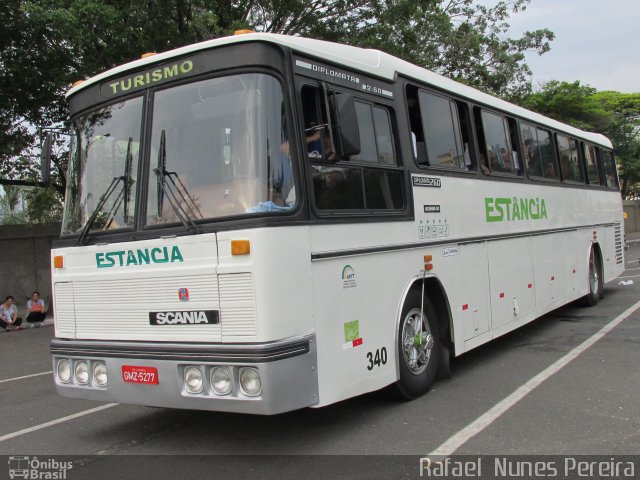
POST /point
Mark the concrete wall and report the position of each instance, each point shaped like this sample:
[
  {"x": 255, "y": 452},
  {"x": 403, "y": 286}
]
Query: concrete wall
[
  {"x": 632, "y": 209},
  {"x": 25, "y": 263}
]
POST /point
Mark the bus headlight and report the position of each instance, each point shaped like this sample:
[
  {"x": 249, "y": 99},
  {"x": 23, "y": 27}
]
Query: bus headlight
[
  {"x": 100, "y": 374},
  {"x": 193, "y": 379},
  {"x": 63, "y": 370},
  {"x": 250, "y": 382},
  {"x": 82, "y": 372},
  {"x": 221, "y": 380}
]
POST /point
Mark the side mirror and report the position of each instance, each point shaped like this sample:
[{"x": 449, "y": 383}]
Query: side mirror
[
  {"x": 45, "y": 159},
  {"x": 346, "y": 122}
]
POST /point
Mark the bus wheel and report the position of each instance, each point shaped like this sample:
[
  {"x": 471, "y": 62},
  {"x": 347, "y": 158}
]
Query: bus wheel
[
  {"x": 419, "y": 346},
  {"x": 595, "y": 282}
]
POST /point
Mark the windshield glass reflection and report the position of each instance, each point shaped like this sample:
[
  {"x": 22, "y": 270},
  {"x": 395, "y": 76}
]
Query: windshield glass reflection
[
  {"x": 101, "y": 179},
  {"x": 219, "y": 148}
]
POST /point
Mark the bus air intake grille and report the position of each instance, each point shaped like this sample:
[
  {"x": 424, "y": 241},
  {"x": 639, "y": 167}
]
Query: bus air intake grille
[
  {"x": 65, "y": 316},
  {"x": 618, "y": 241},
  {"x": 119, "y": 308},
  {"x": 237, "y": 305}
]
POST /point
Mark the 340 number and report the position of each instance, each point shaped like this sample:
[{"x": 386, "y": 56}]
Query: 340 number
[{"x": 377, "y": 359}]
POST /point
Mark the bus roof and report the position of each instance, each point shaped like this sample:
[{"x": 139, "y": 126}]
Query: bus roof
[{"x": 369, "y": 61}]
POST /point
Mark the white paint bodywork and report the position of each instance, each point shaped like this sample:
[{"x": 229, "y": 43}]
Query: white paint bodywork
[
  {"x": 278, "y": 292},
  {"x": 497, "y": 276}
]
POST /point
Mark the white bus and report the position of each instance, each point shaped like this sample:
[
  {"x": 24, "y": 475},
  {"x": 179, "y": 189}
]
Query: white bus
[{"x": 262, "y": 223}]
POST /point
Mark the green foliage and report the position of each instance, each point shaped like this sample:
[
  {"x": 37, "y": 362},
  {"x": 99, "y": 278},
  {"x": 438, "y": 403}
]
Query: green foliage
[
  {"x": 46, "y": 45},
  {"x": 613, "y": 114},
  {"x": 20, "y": 205}
]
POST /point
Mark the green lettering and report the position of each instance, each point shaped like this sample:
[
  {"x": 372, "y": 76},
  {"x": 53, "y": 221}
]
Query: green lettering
[
  {"x": 157, "y": 259},
  {"x": 120, "y": 255},
  {"x": 156, "y": 75},
  {"x": 524, "y": 209},
  {"x": 488, "y": 208},
  {"x": 143, "y": 257},
  {"x": 170, "y": 71},
  {"x": 131, "y": 258},
  {"x": 186, "y": 66},
  {"x": 101, "y": 261},
  {"x": 543, "y": 209},
  {"x": 125, "y": 84},
  {"x": 176, "y": 256},
  {"x": 138, "y": 81},
  {"x": 114, "y": 87},
  {"x": 516, "y": 209},
  {"x": 503, "y": 202},
  {"x": 533, "y": 210}
]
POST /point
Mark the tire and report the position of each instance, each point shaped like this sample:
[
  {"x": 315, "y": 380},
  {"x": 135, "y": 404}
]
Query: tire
[
  {"x": 419, "y": 354},
  {"x": 594, "y": 280}
]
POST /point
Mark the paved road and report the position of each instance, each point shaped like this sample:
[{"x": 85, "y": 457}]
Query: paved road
[{"x": 590, "y": 406}]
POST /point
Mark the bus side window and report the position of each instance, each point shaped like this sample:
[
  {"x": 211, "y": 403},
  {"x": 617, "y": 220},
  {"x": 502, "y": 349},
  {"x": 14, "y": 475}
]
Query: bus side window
[
  {"x": 315, "y": 124},
  {"x": 415, "y": 124},
  {"x": 368, "y": 181},
  {"x": 494, "y": 137},
  {"x": 609, "y": 164},
  {"x": 569, "y": 159},
  {"x": 591, "y": 161},
  {"x": 376, "y": 143},
  {"x": 538, "y": 152},
  {"x": 440, "y": 130},
  {"x": 549, "y": 170},
  {"x": 441, "y": 122}
]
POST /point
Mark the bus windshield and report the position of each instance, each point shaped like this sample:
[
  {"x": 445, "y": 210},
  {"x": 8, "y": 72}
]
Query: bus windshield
[
  {"x": 101, "y": 179},
  {"x": 218, "y": 148}
]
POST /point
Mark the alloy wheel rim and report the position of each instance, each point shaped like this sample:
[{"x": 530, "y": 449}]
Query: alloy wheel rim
[{"x": 417, "y": 342}]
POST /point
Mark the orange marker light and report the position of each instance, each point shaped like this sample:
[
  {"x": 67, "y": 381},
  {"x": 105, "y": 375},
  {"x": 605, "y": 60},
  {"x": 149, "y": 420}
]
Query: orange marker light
[
  {"x": 240, "y": 247},
  {"x": 242, "y": 32},
  {"x": 77, "y": 82},
  {"x": 148, "y": 54},
  {"x": 58, "y": 261},
  {"x": 428, "y": 258}
]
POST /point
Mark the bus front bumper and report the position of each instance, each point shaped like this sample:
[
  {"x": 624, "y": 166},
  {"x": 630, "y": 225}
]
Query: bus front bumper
[{"x": 155, "y": 374}]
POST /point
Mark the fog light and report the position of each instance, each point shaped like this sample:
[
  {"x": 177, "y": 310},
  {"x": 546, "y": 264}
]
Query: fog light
[
  {"x": 221, "y": 380},
  {"x": 193, "y": 379},
  {"x": 63, "y": 369},
  {"x": 250, "y": 382},
  {"x": 82, "y": 373},
  {"x": 100, "y": 374}
]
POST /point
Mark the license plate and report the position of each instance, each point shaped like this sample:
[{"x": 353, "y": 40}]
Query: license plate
[{"x": 136, "y": 374}]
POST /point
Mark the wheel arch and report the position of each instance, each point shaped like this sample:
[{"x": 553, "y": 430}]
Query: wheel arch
[
  {"x": 598, "y": 252},
  {"x": 434, "y": 290}
]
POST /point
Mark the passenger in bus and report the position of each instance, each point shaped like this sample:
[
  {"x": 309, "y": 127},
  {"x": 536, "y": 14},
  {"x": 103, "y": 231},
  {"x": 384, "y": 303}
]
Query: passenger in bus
[{"x": 549, "y": 170}]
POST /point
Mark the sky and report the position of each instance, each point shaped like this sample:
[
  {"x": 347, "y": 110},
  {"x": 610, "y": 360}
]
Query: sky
[{"x": 597, "y": 42}]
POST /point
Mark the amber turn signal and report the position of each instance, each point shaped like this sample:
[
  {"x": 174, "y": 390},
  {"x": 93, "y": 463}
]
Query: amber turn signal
[
  {"x": 58, "y": 261},
  {"x": 240, "y": 247}
]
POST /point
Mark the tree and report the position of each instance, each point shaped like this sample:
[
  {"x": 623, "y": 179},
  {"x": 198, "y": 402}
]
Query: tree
[
  {"x": 613, "y": 114},
  {"x": 45, "y": 45}
]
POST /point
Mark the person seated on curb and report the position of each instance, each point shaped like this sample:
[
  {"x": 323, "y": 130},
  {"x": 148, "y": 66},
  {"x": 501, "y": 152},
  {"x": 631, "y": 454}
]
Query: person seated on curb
[
  {"x": 9, "y": 319},
  {"x": 36, "y": 310}
]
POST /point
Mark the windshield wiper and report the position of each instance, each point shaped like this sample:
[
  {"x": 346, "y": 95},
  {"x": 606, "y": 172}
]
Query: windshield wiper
[
  {"x": 103, "y": 199},
  {"x": 171, "y": 187},
  {"x": 124, "y": 195}
]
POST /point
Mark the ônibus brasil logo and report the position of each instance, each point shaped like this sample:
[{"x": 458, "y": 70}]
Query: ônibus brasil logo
[
  {"x": 141, "y": 256},
  {"x": 513, "y": 209}
]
